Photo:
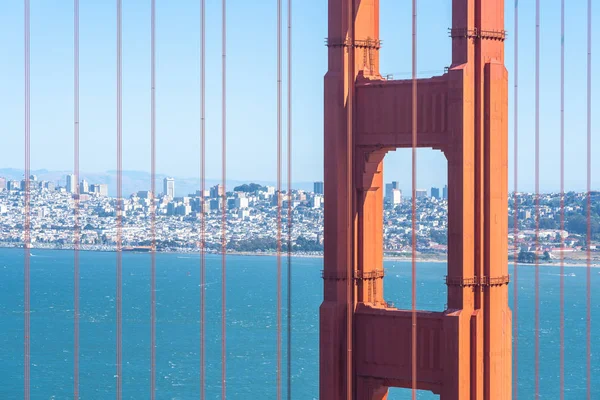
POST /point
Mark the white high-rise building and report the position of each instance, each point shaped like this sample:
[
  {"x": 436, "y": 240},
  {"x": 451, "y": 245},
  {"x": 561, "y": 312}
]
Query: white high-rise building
[
  {"x": 85, "y": 187},
  {"x": 241, "y": 202},
  {"x": 317, "y": 201},
  {"x": 396, "y": 197},
  {"x": 389, "y": 188},
  {"x": 169, "y": 187}
]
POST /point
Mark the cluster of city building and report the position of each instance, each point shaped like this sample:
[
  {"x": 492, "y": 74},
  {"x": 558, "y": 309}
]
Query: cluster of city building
[
  {"x": 393, "y": 194},
  {"x": 251, "y": 213},
  {"x": 252, "y": 216},
  {"x": 85, "y": 187}
]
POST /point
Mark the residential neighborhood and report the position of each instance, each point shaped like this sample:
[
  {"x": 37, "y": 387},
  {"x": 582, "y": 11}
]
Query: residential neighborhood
[{"x": 252, "y": 220}]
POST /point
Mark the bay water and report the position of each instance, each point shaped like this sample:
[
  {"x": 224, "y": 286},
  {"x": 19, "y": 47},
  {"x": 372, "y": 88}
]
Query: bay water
[{"x": 251, "y": 325}]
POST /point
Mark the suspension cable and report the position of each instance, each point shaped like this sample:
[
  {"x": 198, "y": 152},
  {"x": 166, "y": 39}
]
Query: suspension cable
[
  {"x": 589, "y": 202},
  {"x": 153, "y": 199},
  {"x": 27, "y": 206},
  {"x": 289, "y": 210},
  {"x": 279, "y": 198},
  {"x": 516, "y": 210},
  {"x": 119, "y": 205},
  {"x": 202, "y": 214},
  {"x": 76, "y": 232},
  {"x": 537, "y": 198},
  {"x": 414, "y": 202},
  {"x": 224, "y": 200},
  {"x": 562, "y": 199}
]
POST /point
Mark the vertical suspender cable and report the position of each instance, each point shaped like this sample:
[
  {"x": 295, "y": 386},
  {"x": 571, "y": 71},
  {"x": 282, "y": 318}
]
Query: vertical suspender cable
[
  {"x": 202, "y": 214},
  {"x": 349, "y": 204},
  {"x": 76, "y": 233},
  {"x": 153, "y": 204},
  {"x": 589, "y": 200},
  {"x": 289, "y": 210},
  {"x": 562, "y": 199},
  {"x": 414, "y": 201},
  {"x": 27, "y": 216},
  {"x": 119, "y": 199},
  {"x": 537, "y": 198},
  {"x": 224, "y": 199},
  {"x": 516, "y": 211},
  {"x": 279, "y": 146}
]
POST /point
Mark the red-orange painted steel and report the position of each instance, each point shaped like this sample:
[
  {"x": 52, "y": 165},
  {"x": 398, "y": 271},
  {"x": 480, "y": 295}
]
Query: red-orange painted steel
[
  {"x": 279, "y": 202},
  {"x": 562, "y": 199},
  {"x": 289, "y": 209},
  {"x": 202, "y": 210},
  {"x": 224, "y": 200},
  {"x": 119, "y": 207},
  {"x": 589, "y": 204},
  {"x": 153, "y": 199},
  {"x": 516, "y": 208},
  {"x": 366, "y": 345},
  {"x": 414, "y": 113},
  {"x": 27, "y": 207},
  {"x": 77, "y": 228},
  {"x": 537, "y": 201}
]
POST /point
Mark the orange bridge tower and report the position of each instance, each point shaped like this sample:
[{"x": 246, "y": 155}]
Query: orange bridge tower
[{"x": 464, "y": 352}]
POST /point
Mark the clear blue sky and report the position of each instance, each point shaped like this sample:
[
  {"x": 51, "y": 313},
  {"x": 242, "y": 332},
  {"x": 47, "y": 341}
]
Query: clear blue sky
[{"x": 252, "y": 86}]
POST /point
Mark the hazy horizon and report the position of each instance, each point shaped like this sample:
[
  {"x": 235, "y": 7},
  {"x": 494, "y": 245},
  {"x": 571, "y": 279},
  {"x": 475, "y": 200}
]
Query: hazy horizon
[{"x": 210, "y": 181}]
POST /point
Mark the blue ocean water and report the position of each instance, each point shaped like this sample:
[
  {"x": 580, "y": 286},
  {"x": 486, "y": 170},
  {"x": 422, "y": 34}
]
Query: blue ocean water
[{"x": 251, "y": 325}]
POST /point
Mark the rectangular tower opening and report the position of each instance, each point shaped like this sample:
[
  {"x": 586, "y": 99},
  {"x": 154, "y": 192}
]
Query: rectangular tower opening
[
  {"x": 431, "y": 228},
  {"x": 406, "y": 394}
]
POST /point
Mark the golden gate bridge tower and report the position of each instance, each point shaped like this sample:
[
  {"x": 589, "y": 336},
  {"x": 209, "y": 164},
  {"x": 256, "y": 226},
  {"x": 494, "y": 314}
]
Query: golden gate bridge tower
[{"x": 366, "y": 346}]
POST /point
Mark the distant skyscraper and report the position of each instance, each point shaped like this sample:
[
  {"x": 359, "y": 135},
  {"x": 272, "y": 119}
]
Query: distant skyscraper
[
  {"x": 389, "y": 187},
  {"x": 241, "y": 202},
  {"x": 144, "y": 194},
  {"x": 85, "y": 187},
  {"x": 317, "y": 202},
  {"x": 2, "y": 184},
  {"x": 445, "y": 192},
  {"x": 435, "y": 193},
  {"x": 169, "y": 187},
  {"x": 216, "y": 191},
  {"x": 103, "y": 189},
  {"x": 396, "y": 197},
  {"x": 319, "y": 188},
  {"x": 421, "y": 193},
  {"x": 202, "y": 195},
  {"x": 71, "y": 183}
]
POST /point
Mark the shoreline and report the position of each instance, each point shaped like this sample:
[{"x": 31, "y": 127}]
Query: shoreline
[{"x": 568, "y": 262}]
